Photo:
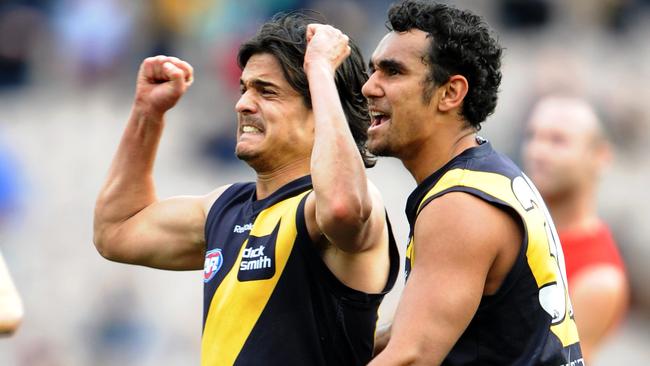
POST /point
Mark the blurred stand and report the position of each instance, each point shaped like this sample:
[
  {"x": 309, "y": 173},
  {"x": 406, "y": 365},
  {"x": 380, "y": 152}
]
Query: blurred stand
[{"x": 67, "y": 72}]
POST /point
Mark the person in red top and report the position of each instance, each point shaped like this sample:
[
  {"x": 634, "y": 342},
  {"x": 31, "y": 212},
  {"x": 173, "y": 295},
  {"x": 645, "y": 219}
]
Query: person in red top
[{"x": 565, "y": 153}]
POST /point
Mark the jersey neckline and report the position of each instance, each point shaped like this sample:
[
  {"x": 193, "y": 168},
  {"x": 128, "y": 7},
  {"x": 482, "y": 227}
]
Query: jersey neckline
[
  {"x": 290, "y": 189},
  {"x": 413, "y": 202}
]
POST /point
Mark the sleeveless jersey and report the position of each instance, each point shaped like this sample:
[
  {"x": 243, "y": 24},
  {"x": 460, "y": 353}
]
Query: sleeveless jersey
[
  {"x": 269, "y": 299},
  {"x": 529, "y": 320}
]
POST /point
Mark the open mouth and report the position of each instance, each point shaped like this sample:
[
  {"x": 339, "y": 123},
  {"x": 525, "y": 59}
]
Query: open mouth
[
  {"x": 251, "y": 129},
  {"x": 250, "y": 126},
  {"x": 378, "y": 118}
]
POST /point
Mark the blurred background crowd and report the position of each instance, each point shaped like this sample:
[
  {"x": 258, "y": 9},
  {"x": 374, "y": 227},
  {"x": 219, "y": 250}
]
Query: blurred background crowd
[{"x": 67, "y": 76}]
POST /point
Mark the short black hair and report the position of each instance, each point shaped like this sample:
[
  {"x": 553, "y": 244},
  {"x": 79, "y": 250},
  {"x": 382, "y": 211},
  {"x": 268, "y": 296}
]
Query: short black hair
[
  {"x": 284, "y": 37},
  {"x": 461, "y": 44}
]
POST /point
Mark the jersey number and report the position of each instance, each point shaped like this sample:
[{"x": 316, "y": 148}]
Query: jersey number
[{"x": 552, "y": 296}]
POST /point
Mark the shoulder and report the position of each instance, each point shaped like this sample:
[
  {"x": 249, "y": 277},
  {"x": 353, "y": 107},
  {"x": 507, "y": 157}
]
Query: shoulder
[
  {"x": 464, "y": 223},
  {"x": 209, "y": 199}
]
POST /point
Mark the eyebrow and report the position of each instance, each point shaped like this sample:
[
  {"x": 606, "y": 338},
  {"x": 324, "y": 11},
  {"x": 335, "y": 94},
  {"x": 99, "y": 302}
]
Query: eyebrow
[
  {"x": 387, "y": 63},
  {"x": 258, "y": 84}
]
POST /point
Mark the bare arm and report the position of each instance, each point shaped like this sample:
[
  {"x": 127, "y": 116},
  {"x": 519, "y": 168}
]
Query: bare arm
[
  {"x": 131, "y": 224},
  {"x": 451, "y": 248},
  {"x": 345, "y": 208},
  {"x": 600, "y": 297},
  {"x": 343, "y": 201},
  {"x": 11, "y": 307}
]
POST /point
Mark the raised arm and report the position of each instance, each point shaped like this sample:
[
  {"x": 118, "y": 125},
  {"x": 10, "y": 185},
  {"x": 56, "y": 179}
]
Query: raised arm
[
  {"x": 131, "y": 225},
  {"x": 345, "y": 207},
  {"x": 454, "y": 252},
  {"x": 343, "y": 200}
]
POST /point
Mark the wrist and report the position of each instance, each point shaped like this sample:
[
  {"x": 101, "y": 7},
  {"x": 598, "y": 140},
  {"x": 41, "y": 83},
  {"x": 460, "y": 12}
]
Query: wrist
[
  {"x": 318, "y": 66},
  {"x": 146, "y": 114}
]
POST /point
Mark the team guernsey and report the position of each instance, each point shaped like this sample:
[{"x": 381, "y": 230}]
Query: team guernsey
[
  {"x": 269, "y": 299},
  {"x": 529, "y": 320}
]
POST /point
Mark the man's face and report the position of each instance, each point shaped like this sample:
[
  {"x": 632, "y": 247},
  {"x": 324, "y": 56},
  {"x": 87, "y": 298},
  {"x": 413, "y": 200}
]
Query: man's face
[
  {"x": 560, "y": 153},
  {"x": 400, "y": 113},
  {"x": 274, "y": 125}
]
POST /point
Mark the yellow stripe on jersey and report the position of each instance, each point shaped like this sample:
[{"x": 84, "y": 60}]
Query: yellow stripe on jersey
[
  {"x": 410, "y": 253},
  {"x": 236, "y": 305},
  {"x": 544, "y": 253}
]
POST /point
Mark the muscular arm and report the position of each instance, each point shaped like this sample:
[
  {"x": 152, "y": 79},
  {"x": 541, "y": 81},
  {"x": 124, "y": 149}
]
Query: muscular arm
[
  {"x": 455, "y": 253},
  {"x": 345, "y": 208},
  {"x": 342, "y": 200},
  {"x": 131, "y": 224},
  {"x": 599, "y": 296}
]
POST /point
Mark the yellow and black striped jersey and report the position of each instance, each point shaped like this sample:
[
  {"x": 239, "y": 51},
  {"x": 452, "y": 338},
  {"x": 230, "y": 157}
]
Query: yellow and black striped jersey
[
  {"x": 529, "y": 321},
  {"x": 268, "y": 297}
]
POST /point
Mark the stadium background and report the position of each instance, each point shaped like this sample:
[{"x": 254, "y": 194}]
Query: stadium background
[{"x": 67, "y": 72}]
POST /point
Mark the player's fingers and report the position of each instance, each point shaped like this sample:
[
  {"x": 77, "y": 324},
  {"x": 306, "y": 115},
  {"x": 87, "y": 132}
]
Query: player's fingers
[
  {"x": 172, "y": 72},
  {"x": 311, "y": 30},
  {"x": 175, "y": 75},
  {"x": 188, "y": 70},
  {"x": 147, "y": 68},
  {"x": 159, "y": 73}
]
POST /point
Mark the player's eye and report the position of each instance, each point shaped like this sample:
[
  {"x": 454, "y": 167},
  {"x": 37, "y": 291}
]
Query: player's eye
[{"x": 392, "y": 71}]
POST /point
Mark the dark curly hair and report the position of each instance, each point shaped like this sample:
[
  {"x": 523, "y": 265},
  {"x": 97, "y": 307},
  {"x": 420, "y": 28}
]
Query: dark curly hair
[
  {"x": 284, "y": 37},
  {"x": 461, "y": 44}
]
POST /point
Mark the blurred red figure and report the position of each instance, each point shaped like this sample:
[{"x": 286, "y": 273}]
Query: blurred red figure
[{"x": 565, "y": 153}]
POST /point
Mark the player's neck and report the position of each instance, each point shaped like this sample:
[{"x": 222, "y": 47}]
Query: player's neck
[
  {"x": 437, "y": 152},
  {"x": 574, "y": 211},
  {"x": 273, "y": 179}
]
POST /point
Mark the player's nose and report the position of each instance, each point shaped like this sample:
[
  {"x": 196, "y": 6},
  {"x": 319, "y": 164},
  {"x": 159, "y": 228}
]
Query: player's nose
[
  {"x": 246, "y": 104},
  {"x": 372, "y": 89}
]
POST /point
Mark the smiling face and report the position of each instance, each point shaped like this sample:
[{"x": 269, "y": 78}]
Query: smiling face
[
  {"x": 399, "y": 94},
  {"x": 275, "y": 127}
]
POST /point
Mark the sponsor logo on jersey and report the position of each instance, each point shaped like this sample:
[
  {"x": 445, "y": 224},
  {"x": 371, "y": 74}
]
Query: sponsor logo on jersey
[
  {"x": 258, "y": 257},
  {"x": 213, "y": 262},
  {"x": 242, "y": 229}
]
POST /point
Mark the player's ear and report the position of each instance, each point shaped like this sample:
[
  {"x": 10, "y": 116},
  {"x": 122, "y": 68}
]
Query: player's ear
[{"x": 452, "y": 93}]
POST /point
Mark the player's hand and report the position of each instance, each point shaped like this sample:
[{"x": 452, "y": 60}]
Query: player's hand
[
  {"x": 162, "y": 80},
  {"x": 326, "y": 45}
]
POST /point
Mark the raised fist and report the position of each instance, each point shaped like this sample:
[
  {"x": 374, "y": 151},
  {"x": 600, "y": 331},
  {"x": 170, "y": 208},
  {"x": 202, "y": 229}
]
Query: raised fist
[
  {"x": 162, "y": 80},
  {"x": 326, "y": 44}
]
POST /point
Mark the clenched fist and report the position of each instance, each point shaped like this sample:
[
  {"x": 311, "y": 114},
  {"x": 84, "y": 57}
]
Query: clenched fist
[
  {"x": 162, "y": 80},
  {"x": 326, "y": 45}
]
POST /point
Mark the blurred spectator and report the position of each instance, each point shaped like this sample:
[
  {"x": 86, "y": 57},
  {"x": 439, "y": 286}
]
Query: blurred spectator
[
  {"x": 10, "y": 186},
  {"x": 565, "y": 155},
  {"x": 525, "y": 14},
  {"x": 11, "y": 308},
  {"x": 119, "y": 334},
  {"x": 94, "y": 35},
  {"x": 20, "y": 22}
]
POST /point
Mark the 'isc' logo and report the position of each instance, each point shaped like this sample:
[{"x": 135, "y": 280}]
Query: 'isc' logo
[{"x": 213, "y": 262}]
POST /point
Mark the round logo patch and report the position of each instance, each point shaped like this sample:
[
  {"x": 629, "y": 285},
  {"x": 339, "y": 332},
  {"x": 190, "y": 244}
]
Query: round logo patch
[{"x": 213, "y": 262}]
